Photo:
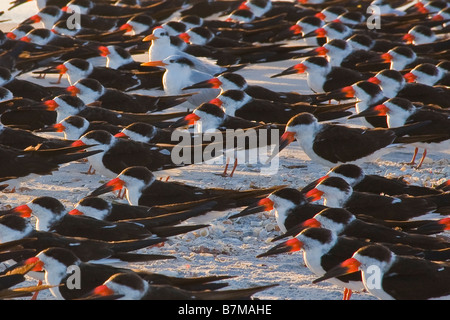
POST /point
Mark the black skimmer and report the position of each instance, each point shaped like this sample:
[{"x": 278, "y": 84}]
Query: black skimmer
[
  {"x": 322, "y": 250},
  {"x": 90, "y": 90},
  {"x": 367, "y": 94},
  {"x": 290, "y": 206},
  {"x": 77, "y": 69},
  {"x": 344, "y": 223},
  {"x": 400, "y": 277},
  {"x": 19, "y": 163},
  {"x": 55, "y": 261},
  {"x": 332, "y": 30},
  {"x": 208, "y": 117},
  {"x": 73, "y": 127},
  {"x": 129, "y": 286},
  {"x": 140, "y": 24},
  {"x": 51, "y": 215},
  {"x": 155, "y": 216},
  {"x": 337, "y": 193},
  {"x": 322, "y": 77},
  {"x": 118, "y": 154},
  {"x": 361, "y": 181},
  {"x": 428, "y": 74},
  {"x": 19, "y": 233},
  {"x": 303, "y": 26},
  {"x": 181, "y": 73},
  {"x": 341, "y": 53},
  {"x": 147, "y": 133},
  {"x": 401, "y": 112},
  {"x": 332, "y": 144},
  {"x": 394, "y": 84},
  {"x": 22, "y": 139},
  {"x": 144, "y": 189},
  {"x": 404, "y": 57},
  {"x": 234, "y": 81},
  {"x": 67, "y": 105},
  {"x": 238, "y": 103}
]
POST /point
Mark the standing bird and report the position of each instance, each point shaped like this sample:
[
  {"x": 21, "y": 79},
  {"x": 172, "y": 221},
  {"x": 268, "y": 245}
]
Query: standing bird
[
  {"x": 333, "y": 144},
  {"x": 401, "y": 277}
]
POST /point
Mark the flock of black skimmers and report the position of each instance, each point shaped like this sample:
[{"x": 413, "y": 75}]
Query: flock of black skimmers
[{"x": 368, "y": 233}]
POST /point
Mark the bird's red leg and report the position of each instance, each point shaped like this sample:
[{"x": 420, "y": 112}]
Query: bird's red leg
[
  {"x": 234, "y": 167},
  {"x": 347, "y": 294},
  {"x": 34, "y": 297},
  {"x": 413, "y": 160},
  {"x": 224, "y": 174},
  {"x": 91, "y": 170},
  {"x": 59, "y": 79},
  {"x": 423, "y": 158}
]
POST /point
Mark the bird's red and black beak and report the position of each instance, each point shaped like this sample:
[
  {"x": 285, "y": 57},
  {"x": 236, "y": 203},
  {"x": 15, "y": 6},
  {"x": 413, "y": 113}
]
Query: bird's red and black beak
[
  {"x": 379, "y": 110},
  {"x": 62, "y": 69},
  {"x": 321, "y": 51},
  {"x": 112, "y": 185},
  {"x": 78, "y": 143},
  {"x": 298, "y": 68},
  {"x": 104, "y": 51},
  {"x": 291, "y": 245},
  {"x": 57, "y": 127},
  {"x": 50, "y": 105},
  {"x": 374, "y": 80},
  {"x": 321, "y": 32},
  {"x": 387, "y": 57},
  {"x": 287, "y": 138},
  {"x": 73, "y": 90},
  {"x": 408, "y": 38},
  {"x": 75, "y": 212},
  {"x": 11, "y": 35},
  {"x": 102, "y": 292},
  {"x": 435, "y": 226},
  {"x": 213, "y": 83},
  {"x": 294, "y": 231},
  {"x": 24, "y": 211},
  {"x": 188, "y": 120},
  {"x": 437, "y": 17},
  {"x": 264, "y": 204},
  {"x": 296, "y": 29},
  {"x": 34, "y": 262},
  {"x": 127, "y": 27},
  {"x": 421, "y": 7},
  {"x": 121, "y": 135},
  {"x": 410, "y": 77},
  {"x": 348, "y": 266},
  {"x": 314, "y": 194},
  {"x": 217, "y": 102},
  {"x": 185, "y": 37},
  {"x": 33, "y": 19},
  {"x": 320, "y": 15},
  {"x": 243, "y": 6}
]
